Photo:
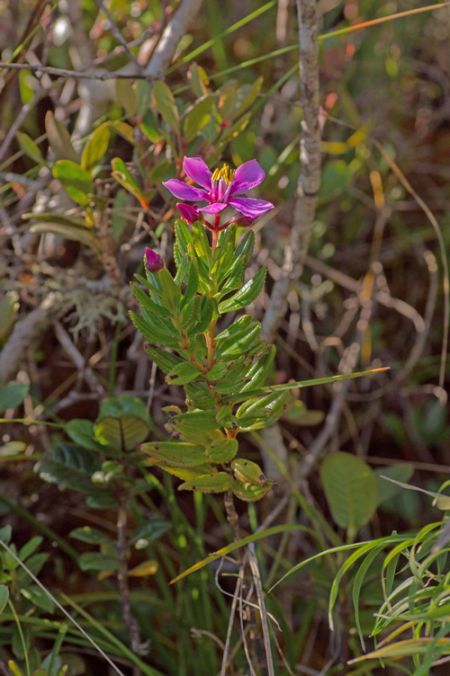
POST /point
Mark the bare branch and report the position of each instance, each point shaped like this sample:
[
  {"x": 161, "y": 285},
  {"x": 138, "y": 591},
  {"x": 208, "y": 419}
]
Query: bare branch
[
  {"x": 309, "y": 179},
  {"x": 170, "y": 39},
  {"x": 25, "y": 332}
]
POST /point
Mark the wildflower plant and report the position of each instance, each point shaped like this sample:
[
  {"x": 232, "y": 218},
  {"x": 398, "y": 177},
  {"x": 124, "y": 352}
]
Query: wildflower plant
[{"x": 196, "y": 339}]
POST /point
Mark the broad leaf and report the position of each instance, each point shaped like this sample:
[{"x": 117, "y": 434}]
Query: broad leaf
[
  {"x": 95, "y": 149},
  {"x": 198, "y": 117},
  {"x": 351, "y": 490},
  {"x": 386, "y": 489},
  {"x": 12, "y": 394},
  {"x": 30, "y": 148},
  {"x": 208, "y": 483},
  {"x": 175, "y": 453},
  {"x": 76, "y": 181},
  {"x": 165, "y": 103},
  {"x": 97, "y": 562},
  {"x": 69, "y": 465},
  {"x": 59, "y": 138},
  {"x": 124, "y": 433},
  {"x": 150, "y": 531}
]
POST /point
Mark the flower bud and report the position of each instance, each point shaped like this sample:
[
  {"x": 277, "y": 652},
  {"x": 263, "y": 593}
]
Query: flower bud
[
  {"x": 188, "y": 212},
  {"x": 153, "y": 260}
]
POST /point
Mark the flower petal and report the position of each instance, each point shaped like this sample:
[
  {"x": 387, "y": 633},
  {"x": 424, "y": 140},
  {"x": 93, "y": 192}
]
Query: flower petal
[
  {"x": 188, "y": 212},
  {"x": 214, "y": 208},
  {"x": 249, "y": 207},
  {"x": 197, "y": 169},
  {"x": 247, "y": 176},
  {"x": 185, "y": 192}
]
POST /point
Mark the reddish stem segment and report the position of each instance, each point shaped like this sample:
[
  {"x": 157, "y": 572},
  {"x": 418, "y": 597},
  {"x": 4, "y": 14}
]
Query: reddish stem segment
[{"x": 215, "y": 232}]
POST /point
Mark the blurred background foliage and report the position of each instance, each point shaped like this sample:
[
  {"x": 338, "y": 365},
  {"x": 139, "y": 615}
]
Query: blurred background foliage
[{"x": 81, "y": 166}]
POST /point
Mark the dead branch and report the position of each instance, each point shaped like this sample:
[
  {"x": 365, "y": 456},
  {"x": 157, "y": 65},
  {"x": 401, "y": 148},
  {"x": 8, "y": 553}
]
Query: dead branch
[{"x": 309, "y": 179}]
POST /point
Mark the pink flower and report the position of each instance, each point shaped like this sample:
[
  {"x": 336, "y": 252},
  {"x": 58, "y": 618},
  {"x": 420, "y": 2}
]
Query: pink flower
[
  {"x": 218, "y": 190},
  {"x": 153, "y": 260}
]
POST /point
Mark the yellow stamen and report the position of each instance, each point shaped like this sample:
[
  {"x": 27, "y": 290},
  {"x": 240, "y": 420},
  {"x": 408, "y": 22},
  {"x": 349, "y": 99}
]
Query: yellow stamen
[{"x": 226, "y": 173}]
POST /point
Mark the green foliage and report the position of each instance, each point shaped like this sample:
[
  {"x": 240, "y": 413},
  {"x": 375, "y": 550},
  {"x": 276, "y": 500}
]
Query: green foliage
[
  {"x": 12, "y": 395},
  {"x": 351, "y": 490},
  {"x": 181, "y": 313}
]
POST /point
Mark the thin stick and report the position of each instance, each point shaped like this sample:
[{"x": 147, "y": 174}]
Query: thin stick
[
  {"x": 223, "y": 669},
  {"x": 253, "y": 561}
]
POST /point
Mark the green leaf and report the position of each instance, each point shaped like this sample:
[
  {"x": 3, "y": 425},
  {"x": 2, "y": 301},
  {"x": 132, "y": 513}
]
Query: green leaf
[
  {"x": 30, "y": 148},
  {"x": 90, "y": 535},
  {"x": 259, "y": 412},
  {"x": 124, "y": 433},
  {"x": 59, "y": 138},
  {"x": 175, "y": 453},
  {"x": 119, "y": 215},
  {"x": 222, "y": 450},
  {"x": 164, "y": 360},
  {"x": 95, "y": 149},
  {"x": 165, "y": 103},
  {"x": 70, "y": 232},
  {"x": 82, "y": 432},
  {"x": 249, "y": 292},
  {"x": 126, "y": 96},
  {"x": 8, "y": 314},
  {"x": 206, "y": 313},
  {"x": 351, "y": 490},
  {"x": 198, "y": 422},
  {"x": 186, "y": 473},
  {"x": 336, "y": 176},
  {"x": 152, "y": 333},
  {"x": 198, "y": 79},
  {"x": 123, "y": 176},
  {"x": 235, "y": 332},
  {"x": 182, "y": 374},
  {"x": 5, "y": 533},
  {"x": 401, "y": 472},
  {"x": 30, "y": 547},
  {"x": 12, "y": 394},
  {"x": 69, "y": 465},
  {"x": 124, "y": 404},
  {"x": 259, "y": 371},
  {"x": 170, "y": 293},
  {"x": 143, "y": 95},
  {"x": 4, "y": 596},
  {"x": 249, "y": 492},
  {"x": 198, "y": 117},
  {"x": 59, "y": 218},
  {"x": 76, "y": 181},
  {"x": 150, "y": 531},
  {"x": 298, "y": 414},
  {"x": 241, "y": 338},
  {"x": 27, "y": 85},
  {"x": 38, "y": 597},
  {"x": 246, "y": 97},
  {"x": 97, "y": 562},
  {"x": 248, "y": 472},
  {"x": 36, "y": 562},
  {"x": 208, "y": 483}
]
